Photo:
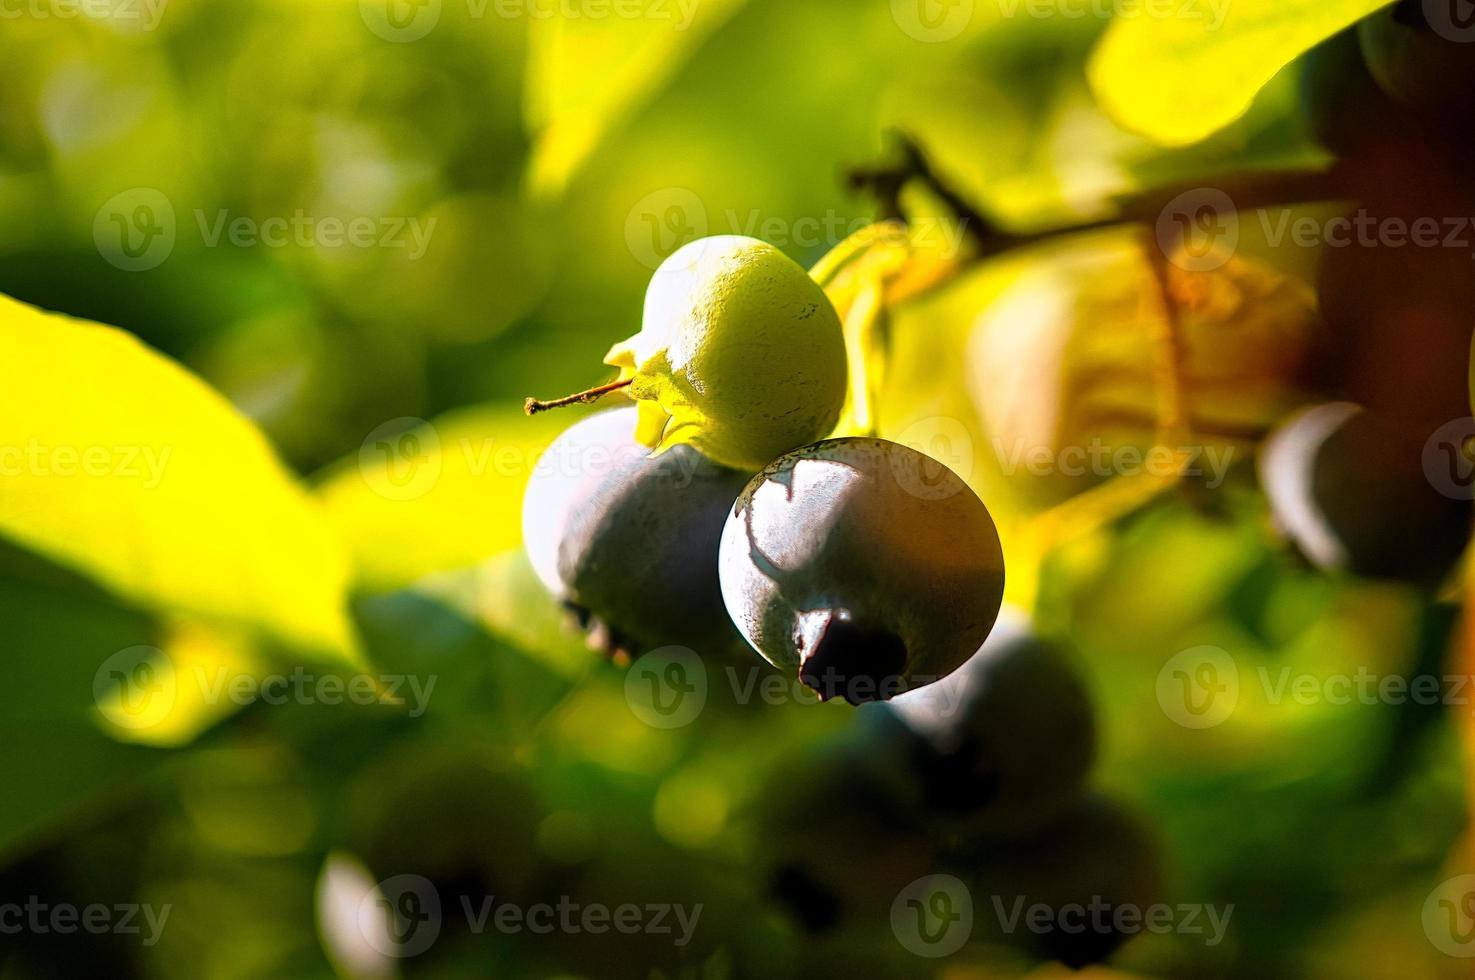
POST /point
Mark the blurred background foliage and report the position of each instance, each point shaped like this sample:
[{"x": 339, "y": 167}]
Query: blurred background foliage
[{"x": 551, "y": 155}]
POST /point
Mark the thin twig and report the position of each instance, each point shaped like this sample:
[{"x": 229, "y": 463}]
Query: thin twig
[
  {"x": 533, "y": 406},
  {"x": 1245, "y": 192}
]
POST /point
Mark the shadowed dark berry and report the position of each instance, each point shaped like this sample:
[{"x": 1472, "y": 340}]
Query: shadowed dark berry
[
  {"x": 840, "y": 835},
  {"x": 1350, "y": 490},
  {"x": 1420, "y": 56},
  {"x": 1075, "y": 878},
  {"x": 1004, "y": 744},
  {"x": 1345, "y": 110}
]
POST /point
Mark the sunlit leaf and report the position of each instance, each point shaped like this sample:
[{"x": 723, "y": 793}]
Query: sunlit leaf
[
  {"x": 119, "y": 465},
  {"x": 1178, "y": 79},
  {"x": 632, "y": 57},
  {"x": 194, "y": 665}
]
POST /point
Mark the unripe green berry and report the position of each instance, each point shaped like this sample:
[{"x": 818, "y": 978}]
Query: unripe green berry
[{"x": 740, "y": 354}]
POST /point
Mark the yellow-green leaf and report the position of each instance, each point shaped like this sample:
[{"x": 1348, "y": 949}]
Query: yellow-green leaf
[
  {"x": 1178, "y": 79},
  {"x": 437, "y": 496},
  {"x": 120, "y": 465},
  {"x": 632, "y": 57},
  {"x": 165, "y": 696}
]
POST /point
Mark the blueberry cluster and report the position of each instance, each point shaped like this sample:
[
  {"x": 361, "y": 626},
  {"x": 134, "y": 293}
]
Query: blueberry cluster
[
  {"x": 861, "y": 567},
  {"x": 984, "y": 777}
]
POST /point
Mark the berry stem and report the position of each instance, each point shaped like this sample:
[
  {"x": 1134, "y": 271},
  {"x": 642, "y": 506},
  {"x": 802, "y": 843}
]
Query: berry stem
[
  {"x": 533, "y": 406},
  {"x": 1247, "y": 191}
]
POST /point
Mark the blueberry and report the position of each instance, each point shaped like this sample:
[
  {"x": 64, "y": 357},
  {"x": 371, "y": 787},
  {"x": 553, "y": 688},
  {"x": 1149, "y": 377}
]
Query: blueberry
[
  {"x": 1346, "y": 111},
  {"x": 1349, "y": 489},
  {"x": 1418, "y": 55},
  {"x": 629, "y": 541},
  {"x": 863, "y": 566},
  {"x": 840, "y": 835},
  {"x": 1074, "y": 879},
  {"x": 1004, "y": 744}
]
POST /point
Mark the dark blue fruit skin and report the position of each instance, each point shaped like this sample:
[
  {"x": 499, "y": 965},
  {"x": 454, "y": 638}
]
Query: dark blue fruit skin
[
  {"x": 850, "y": 821},
  {"x": 1004, "y": 745},
  {"x": 863, "y": 566},
  {"x": 637, "y": 550}
]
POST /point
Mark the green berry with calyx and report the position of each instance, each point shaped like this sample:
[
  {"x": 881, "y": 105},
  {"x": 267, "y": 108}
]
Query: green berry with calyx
[{"x": 740, "y": 355}]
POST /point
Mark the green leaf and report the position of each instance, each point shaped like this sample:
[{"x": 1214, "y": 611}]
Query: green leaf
[
  {"x": 498, "y": 644},
  {"x": 120, "y": 466},
  {"x": 1178, "y": 79},
  {"x": 632, "y": 57},
  {"x": 505, "y": 599},
  {"x": 56, "y": 757}
]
